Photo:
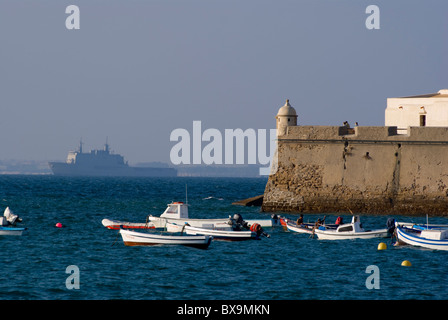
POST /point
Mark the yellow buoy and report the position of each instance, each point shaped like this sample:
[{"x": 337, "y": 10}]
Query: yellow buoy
[
  {"x": 382, "y": 246},
  {"x": 406, "y": 263}
]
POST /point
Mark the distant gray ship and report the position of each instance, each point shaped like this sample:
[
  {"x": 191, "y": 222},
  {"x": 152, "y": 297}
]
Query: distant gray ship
[{"x": 102, "y": 163}]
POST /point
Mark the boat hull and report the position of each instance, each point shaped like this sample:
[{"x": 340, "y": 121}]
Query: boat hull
[
  {"x": 11, "y": 231},
  {"x": 161, "y": 222},
  {"x": 133, "y": 238},
  {"x": 334, "y": 235},
  {"x": 302, "y": 228},
  {"x": 116, "y": 225},
  {"x": 411, "y": 236},
  {"x": 299, "y": 228},
  {"x": 224, "y": 235}
]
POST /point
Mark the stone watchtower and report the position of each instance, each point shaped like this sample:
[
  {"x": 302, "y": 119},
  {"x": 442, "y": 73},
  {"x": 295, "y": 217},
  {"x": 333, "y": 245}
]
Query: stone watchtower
[{"x": 286, "y": 117}]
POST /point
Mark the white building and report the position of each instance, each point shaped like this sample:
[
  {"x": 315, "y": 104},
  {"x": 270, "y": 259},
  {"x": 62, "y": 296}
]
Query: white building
[{"x": 423, "y": 110}]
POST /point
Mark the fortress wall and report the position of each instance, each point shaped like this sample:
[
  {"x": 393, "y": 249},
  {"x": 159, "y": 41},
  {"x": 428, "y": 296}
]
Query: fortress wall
[
  {"x": 425, "y": 134},
  {"x": 364, "y": 169}
]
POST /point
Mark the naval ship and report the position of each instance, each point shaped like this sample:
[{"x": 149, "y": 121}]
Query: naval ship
[{"x": 103, "y": 163}]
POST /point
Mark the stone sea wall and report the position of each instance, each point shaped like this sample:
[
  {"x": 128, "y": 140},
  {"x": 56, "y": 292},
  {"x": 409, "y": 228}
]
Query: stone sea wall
[{"x": 363, "y": 169}]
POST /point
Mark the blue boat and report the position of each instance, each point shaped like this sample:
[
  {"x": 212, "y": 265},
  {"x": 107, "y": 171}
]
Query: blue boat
[
  {"x": 8, "y": 224},
  {"x": 11, "y": 231},
  {"x": 419, "y": 235}
]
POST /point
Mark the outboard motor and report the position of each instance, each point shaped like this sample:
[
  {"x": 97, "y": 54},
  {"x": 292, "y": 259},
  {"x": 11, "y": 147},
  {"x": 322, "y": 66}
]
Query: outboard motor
[
  {"x": 390, "y": 224},
  {"x": 11, "y": 217},
  {"x": 237, "y": 222},
  {"x": 274, "y": 218},
  {"x": 238, "y": 218}
]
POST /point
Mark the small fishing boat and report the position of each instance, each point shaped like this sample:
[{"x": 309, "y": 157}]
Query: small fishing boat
[
  {"x": 306, "y": 227},
  {"x": 177, "y": 212},
  {"x": 223, "y": 233},
  {"x": 134, "y": 238},
  {"x": 8, "y": 224},
  {"x": 352, "y": 230},
  {"x": 299, "y": 228},
  {"x": 422, "y": 225},
  {"x": 431, "y": 237}
]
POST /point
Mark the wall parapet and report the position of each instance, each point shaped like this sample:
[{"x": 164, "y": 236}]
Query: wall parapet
[{"x": 429, "y": 135}]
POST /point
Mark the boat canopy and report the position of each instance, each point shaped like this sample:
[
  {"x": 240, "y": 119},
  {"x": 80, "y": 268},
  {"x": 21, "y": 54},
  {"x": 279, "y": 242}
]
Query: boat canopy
[
  {"x": 176, "y": 210},
  {"x": 354, "y": 226}
]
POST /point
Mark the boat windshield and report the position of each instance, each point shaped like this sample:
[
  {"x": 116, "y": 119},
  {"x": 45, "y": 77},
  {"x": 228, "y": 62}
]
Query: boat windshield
[{"x": 344, "y": 229}]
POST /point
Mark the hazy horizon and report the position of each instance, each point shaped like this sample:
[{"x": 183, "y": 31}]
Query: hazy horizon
[{"x": 137, "y": 70}]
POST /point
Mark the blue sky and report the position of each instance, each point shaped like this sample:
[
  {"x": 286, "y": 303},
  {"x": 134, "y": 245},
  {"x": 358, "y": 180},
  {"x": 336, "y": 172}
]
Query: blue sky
[{"x": 137, "y": 70}]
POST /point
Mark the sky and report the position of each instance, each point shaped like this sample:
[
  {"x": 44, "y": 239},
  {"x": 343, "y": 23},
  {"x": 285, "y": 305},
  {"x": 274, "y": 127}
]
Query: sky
[{"x": 135, "y": 71}]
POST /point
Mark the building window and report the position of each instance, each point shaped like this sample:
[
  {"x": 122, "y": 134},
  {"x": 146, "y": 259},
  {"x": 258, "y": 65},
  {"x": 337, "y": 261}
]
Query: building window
[{"x": 422, "y": 120}]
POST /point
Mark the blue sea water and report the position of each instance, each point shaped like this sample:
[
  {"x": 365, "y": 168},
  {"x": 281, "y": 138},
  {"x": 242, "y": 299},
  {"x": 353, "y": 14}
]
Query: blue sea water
[{"x": 286, "y": 266}]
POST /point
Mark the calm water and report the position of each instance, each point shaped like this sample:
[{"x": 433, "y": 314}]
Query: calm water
[{"x": 286, "y": 266}]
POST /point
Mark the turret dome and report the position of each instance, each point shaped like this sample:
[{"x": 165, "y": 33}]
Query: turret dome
[{"x": 287, "y": 110}]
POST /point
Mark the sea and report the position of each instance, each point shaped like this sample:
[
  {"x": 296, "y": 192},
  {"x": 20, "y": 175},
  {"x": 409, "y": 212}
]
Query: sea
[{"x": 86, "y": 261}]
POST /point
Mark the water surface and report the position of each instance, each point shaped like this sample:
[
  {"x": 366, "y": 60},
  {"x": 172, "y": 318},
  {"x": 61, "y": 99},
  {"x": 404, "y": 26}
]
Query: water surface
[{"x": 287, "y": 266}]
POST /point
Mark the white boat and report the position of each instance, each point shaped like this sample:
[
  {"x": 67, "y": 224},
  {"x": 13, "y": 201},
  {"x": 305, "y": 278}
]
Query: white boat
[
  {"x": 174, "y": 227},
  {"x": 177, "y": 212},
  {"x": 134, "y": 238},
  {"x": 11, "y": 231},
  {"x": 306, "y": 227},
  {"x": 8, "y": 224},
  {"x": 352, "y": 230},
  {"x": 422, "y": 225},
  {"x": 431, "y": 237},
  {"x": 225, "y": 233},
  {"x": 299, "y": 228}
]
